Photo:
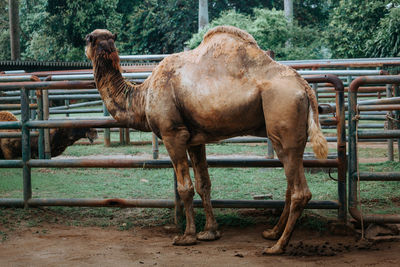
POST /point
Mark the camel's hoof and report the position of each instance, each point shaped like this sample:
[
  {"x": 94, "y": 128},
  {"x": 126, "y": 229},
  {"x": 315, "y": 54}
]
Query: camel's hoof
[
  {"x": 270, "y": 235},
  {"x": 209, "y": 235},
  {"x": 275, "y": 250},
  {"x": 185, "y": 240}
]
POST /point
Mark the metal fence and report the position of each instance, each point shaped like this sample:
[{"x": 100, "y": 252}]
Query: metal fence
[
  {"x": 356, "y": 110},
  {"x": 26, "y": 163}
]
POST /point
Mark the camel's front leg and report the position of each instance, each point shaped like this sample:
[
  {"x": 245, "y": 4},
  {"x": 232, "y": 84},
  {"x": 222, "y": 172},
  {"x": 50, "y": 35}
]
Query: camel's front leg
[
  {"x": 176, "y": 146},
  {"x": 203, "y": 188}
]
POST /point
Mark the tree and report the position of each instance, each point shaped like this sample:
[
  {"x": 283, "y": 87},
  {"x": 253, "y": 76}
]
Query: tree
[
  {"x": 352, "y": 24},
  {"x": 203, "y": 13},
  {"x": 55, "y": 29},
  {"x": 386, "y": 39},
  {"x": 13, "y": 8},
  {"x": 271, "y": 30},
  {"x": 159, "y": 27},
  {"x": 5, "y": 49}
]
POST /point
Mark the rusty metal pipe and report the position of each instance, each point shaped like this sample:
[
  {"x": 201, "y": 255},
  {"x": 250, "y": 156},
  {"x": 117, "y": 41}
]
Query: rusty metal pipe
[
  {"x": 10, "y": 125},
  {"x": 378, "y": 107},
  {"x": 391, "y": 100},
  {"x": 93, "y": 123},
  {"x": 166, "y": 163},
  {"x": 378, "y": 176},
  {"x": 48, "y": 85},
  {"x": 161, "y": 203},
  {"x": 379, "y": 134},
  {"x": 16, "y": 106},
  {"x": 15, "y": 134}
]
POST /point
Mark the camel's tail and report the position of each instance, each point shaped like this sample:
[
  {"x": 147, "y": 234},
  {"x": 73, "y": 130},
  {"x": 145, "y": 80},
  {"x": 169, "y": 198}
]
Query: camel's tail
[{"x": 317, "y": 139}]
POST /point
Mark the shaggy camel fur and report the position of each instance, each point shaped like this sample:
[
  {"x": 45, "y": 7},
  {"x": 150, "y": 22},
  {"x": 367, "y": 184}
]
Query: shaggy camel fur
[
  {"x": 225, "y": 87},
  {"x": 60, "y": 139}
]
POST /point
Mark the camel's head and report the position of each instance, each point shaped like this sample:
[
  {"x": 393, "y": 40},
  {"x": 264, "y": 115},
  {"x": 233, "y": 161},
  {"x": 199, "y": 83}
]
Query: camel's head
[{"x": 100, "y": 44}]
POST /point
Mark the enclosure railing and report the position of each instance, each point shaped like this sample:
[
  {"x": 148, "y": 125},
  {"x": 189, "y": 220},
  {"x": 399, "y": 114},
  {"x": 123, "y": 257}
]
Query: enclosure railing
[
  {"x": 27, "y": 163},
  {"x": 355, "y": 176}
]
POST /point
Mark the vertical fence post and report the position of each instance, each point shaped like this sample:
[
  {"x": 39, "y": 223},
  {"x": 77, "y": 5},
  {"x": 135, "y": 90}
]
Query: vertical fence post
[
  {"x": 270, "y": 152},
  {"x": 154, "y": 142},
  {"x": 41, "y": 130},
  {"x": 26, "y": 150},
  {"x": 121, "y": 136},
  {"x": 389, "y": 125},
  {"x": 352, "y": 145},
  {"x": 32, "y": 101},
  {"x": 66, "y": 102},
  {"x": 47, "y": 147},
  {"x": 349, "y": 78},
  {"x": 107, "y": 139},
  {"x": 127, "y": 137},
  {"x": 397, "y": 117},
  {"x": 341, "y": 151}
]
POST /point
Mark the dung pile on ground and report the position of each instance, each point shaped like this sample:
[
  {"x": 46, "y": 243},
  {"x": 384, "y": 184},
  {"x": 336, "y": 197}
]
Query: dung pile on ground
[{"x": 327, "y": 249}]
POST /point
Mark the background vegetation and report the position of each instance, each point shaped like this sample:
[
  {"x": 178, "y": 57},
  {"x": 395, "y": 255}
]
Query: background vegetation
[{"x": 55, "y": 29}]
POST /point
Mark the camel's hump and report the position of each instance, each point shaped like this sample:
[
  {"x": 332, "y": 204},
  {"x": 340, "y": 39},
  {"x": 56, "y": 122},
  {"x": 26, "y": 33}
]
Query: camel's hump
[
  {"x": 7, "y": 116},
  {"x": 245, "y": 36}
]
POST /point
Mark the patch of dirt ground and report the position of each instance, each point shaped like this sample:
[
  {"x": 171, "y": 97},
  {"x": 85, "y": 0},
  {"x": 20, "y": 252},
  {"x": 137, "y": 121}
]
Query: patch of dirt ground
[{"x": 60, "y": 245}]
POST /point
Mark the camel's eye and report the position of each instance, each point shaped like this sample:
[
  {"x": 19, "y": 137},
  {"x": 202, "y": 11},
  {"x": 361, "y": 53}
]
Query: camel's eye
[{"x": 90, "y": 39}]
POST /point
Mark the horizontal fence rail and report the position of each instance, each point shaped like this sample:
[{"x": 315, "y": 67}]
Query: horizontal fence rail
[{"x": 160, "y": 203}]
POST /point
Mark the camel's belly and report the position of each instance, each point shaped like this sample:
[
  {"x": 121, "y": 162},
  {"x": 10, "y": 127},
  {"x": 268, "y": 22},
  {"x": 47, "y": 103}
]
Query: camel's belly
[{"x": 209, "y": 125}]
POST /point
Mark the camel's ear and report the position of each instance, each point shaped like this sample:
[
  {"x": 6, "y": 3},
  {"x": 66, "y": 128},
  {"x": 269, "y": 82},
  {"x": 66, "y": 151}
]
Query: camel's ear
[
  {"x": 90, "y": 38},
  {"x": 114, "y": 37}
]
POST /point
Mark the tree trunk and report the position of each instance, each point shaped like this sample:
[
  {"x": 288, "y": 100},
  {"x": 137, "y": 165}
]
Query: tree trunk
[
  {"x": 14, "y": 29},
  {"x": 288, "y": 6},
  {"x": 203, "y": 14}
]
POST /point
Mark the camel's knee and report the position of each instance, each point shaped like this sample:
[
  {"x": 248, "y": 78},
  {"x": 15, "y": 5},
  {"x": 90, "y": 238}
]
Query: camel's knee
[
  {"x": 186, "y": 192},
  {"x": 301, "y": 198}
]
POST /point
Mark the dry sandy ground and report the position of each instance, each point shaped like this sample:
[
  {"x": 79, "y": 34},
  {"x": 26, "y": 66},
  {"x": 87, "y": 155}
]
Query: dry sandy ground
[{"x": 59, "y": 245}]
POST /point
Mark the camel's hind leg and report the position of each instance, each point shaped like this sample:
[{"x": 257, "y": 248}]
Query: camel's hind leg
[
  {"x": 299, "y": 197},
  {"x": 276, "y": 231},
  {"x": 287, "y": 129},
  {"x": 203, "y": 187}
]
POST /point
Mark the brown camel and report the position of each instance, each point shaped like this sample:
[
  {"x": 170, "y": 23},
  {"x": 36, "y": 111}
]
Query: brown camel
[
  {"x": 225, "y": 87},
  {"x": 60, "y": 139}
]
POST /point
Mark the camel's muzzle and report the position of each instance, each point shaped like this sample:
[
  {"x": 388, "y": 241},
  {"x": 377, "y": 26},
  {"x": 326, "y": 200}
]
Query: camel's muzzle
[{"x": 91, "y": 135}]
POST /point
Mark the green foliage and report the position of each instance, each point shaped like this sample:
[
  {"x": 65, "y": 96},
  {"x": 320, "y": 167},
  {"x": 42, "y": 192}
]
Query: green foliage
[
  {"x": 351, "y": 25},
  {"x": 70, "y": 21},
  {"x": 158, "y": 27},
  {"x": 270, "y": 28},
  {"x": 230, "y": 17},
  {"x": 386, "y": 41},
  {"x": 312, "y": 13},
  {"x": 272, "y": 31},
  {"x": 5, "y": 50},
  {"x": 55, "y": 29}
]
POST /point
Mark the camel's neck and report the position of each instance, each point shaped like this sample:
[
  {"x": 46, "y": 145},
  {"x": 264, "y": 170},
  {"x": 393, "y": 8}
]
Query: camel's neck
[{"x": 124, "y": 101}]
